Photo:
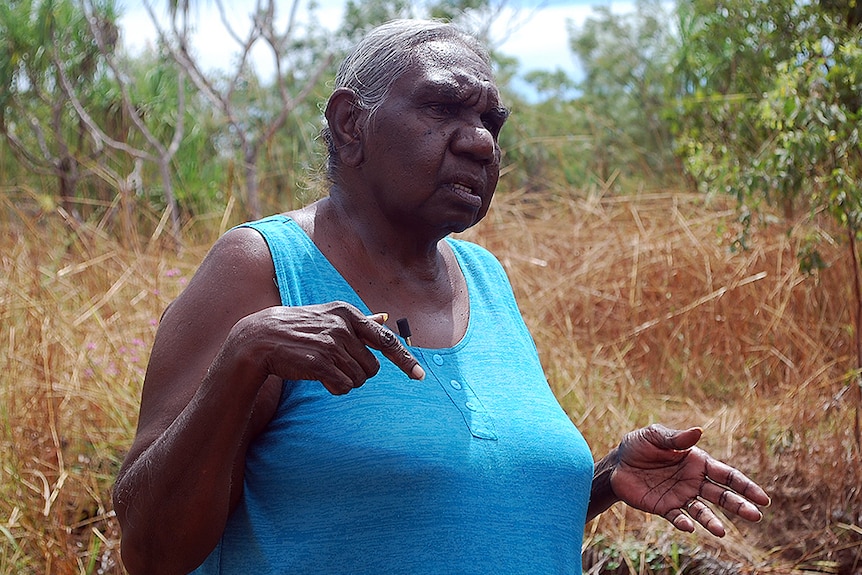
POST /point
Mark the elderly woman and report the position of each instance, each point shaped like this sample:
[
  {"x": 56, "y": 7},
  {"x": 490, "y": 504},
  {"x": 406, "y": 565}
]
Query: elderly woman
[{"x": 284, "y": 428}]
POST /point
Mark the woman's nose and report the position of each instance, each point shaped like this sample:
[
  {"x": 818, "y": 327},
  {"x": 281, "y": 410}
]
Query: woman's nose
[{"x": 477, "y": 142}]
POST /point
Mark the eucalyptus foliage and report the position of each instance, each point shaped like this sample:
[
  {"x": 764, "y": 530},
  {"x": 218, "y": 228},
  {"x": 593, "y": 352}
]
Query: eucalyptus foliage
[
  {"x": 771, "y": 110},
  {"x": 627, "y": 61},
  {"x": 37, "y": 122}
]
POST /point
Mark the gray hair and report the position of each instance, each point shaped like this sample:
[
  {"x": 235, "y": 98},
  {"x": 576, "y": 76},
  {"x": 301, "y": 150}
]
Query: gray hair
[{"x": 383, "y": 55}]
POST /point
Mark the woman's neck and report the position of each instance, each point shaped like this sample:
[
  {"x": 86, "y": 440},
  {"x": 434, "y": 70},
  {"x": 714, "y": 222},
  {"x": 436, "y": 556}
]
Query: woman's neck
[{"x": 401, "y": 276}]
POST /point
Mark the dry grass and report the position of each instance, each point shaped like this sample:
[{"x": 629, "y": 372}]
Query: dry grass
[
  {"x": 78, "y": 314},
  {"x": 638, "y": 307},
  {"x": 642, "y": 313}
]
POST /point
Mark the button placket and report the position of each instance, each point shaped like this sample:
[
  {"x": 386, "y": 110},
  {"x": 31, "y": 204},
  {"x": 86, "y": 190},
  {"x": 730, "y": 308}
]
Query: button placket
[{"x": 464, "y": 398}]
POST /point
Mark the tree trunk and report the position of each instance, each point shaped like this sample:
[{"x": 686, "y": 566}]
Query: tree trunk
[
  {"x": 167, "y": 184},
  {"x": 251, "y": 191},
  {"x": 856, "y": 391},
  {"x": 67, "y": 174}
]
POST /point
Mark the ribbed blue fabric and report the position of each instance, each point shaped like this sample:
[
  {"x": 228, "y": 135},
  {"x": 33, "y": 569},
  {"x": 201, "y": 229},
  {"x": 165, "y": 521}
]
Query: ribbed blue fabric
[{"x": 475, "y": 470}]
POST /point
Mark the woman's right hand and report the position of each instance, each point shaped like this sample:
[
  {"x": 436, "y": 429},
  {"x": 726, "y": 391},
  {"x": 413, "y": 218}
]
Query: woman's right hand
[{"x": 327, "y": 343}]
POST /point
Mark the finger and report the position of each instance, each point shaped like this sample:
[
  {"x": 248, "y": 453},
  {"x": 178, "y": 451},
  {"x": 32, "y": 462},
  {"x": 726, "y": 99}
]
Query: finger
[
  {"x": 701, "y": 512},
  {"x": 727, "y": 476},
  {"x": 730, "y": 501},
  {"x": 680, "y": 520},
  {"x": 666, "y": 438},
  {"x": 684, "y": 439},
  {"x": 330, "y": 375},
  {"x": 357, "y": 361},
  {"x": 381, "y": 338},
  {"x": 351, "y": 354},
  {"x": 336, "y": 388}
]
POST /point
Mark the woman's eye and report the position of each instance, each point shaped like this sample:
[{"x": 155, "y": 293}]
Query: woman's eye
[
  {"x": 491, "y": 125},
  {"x": 443, "y": 109},
  {"x": 494, "y": 120}
]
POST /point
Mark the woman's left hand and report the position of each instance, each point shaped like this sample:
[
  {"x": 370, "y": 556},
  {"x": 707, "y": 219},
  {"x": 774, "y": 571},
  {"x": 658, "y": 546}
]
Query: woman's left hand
[{"x": 660, "y": 471}]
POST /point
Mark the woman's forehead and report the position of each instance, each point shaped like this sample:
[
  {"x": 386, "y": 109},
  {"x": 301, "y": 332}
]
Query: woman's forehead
[{"x": 449, "y": 66}]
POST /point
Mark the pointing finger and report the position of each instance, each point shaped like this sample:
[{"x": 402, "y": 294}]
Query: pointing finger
[{"x": 379, "y": 337}]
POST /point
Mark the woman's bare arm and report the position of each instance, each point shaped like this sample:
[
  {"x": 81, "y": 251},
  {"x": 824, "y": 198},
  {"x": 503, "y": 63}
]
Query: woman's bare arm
[
  {"x": 183, "y": 472},
  {"x": 213, "y": 382}
]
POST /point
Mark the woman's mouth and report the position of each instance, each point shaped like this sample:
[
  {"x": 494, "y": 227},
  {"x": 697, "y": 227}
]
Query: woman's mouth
[{"x": 466, "y": 194}]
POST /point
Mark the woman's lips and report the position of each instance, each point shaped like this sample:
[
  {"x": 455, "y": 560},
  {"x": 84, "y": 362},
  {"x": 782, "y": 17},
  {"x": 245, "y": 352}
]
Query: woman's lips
[{"x": 466, "y": 194}]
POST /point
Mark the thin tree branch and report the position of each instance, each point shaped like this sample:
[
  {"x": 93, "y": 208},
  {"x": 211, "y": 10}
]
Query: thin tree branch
[
  {"x": 291, "y": 103},
  {"x": 226, "y": 22},
  {"x": 23, "y": 154},
  {"x": 180, "y": 127},
  {"x": 199, "y": 79},
  {"x": 95, "y": 131},
  {"x": 118, "y": 76}
]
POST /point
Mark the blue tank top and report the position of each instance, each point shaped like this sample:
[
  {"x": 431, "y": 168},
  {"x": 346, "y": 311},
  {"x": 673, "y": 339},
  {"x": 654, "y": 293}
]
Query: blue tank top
[{"x": 474, "y": 470}]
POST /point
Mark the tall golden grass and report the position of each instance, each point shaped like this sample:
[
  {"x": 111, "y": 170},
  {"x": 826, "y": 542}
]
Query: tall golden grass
[{"x": 639, "y": 308}]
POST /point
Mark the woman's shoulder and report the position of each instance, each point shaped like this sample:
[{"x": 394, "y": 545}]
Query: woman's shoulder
[
  {"x": 470, "y": 248},
  {"x": 479, "y": 265},
  {"x": 276, "y": 233},
  {"x": 235, "y": 275},
  {"x": 239, "y": 258},
  {"x": 473, "y": 254}
]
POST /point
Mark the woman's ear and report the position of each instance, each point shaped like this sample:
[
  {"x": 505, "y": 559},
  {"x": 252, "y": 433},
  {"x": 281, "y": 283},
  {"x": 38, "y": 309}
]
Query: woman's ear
[{"x": 344, "y": 118}]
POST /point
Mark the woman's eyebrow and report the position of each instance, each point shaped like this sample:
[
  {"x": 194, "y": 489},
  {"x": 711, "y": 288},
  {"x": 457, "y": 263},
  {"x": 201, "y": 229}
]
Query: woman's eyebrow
[
  {"x": 452, "y": 90},
  {"x": 440, "y": 87}
]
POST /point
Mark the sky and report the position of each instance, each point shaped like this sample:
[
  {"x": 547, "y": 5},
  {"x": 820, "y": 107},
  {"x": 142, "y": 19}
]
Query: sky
[{"x": 539, "y": 41}]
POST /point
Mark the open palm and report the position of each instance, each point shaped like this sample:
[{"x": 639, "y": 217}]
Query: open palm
[{"x": 660, "y": 471}]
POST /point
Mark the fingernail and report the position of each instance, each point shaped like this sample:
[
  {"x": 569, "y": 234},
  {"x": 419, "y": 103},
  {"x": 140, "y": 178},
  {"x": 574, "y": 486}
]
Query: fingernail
[
  {"x": 417, "y": 372},
  {"x": 385, "y": 316}
]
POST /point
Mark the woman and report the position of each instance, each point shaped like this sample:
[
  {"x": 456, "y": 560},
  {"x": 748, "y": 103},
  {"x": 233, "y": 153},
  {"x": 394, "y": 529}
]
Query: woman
[{"x": 285, "y": 429}]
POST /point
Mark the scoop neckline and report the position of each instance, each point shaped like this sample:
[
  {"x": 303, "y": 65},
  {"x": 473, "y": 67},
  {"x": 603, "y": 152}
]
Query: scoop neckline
[{"x": 451, "y": 242}]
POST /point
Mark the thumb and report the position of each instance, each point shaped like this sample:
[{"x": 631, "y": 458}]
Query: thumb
[
  {"x": 380, "y": 318},
  {"x": 684, "y": 439}
]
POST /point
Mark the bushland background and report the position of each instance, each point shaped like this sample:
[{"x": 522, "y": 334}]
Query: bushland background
[{"x": 680, "y": 224}]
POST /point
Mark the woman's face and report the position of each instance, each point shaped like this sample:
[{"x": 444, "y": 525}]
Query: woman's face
[{"x": 431, "y": 157}]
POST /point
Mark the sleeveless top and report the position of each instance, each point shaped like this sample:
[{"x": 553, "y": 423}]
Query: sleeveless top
[{"x": 474, "y": 470}]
